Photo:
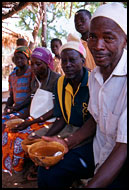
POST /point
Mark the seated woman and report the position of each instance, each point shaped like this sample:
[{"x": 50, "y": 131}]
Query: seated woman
[
  {"x": 43, "y": 83},
  {"x": 19, "y": 85}
]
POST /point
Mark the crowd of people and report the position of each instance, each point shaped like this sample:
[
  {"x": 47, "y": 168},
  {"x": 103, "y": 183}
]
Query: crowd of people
[{"x": 80, "y": 95}]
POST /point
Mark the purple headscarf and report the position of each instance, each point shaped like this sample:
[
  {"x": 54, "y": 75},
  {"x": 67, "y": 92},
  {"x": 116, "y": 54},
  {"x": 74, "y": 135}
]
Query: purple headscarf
[{"x": 43, "y": 54}]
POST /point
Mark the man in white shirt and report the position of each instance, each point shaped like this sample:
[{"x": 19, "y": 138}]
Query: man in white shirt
[
  {"x": 108, "y": 91},
  {"x": 107, "y": 105}
]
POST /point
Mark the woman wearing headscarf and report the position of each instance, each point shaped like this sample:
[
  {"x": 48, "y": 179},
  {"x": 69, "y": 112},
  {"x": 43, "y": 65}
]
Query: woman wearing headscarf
[
  {"x": 19, "y": 85},
  {"x": 43, "y": 86}
]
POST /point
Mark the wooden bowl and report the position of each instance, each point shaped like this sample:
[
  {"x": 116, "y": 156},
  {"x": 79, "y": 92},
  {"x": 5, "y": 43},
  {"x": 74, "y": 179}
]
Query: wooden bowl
[
  {"x": 43, "y": 153},
  {"x": 13, "y": 123},
  {"x": 26, "y": 143}
]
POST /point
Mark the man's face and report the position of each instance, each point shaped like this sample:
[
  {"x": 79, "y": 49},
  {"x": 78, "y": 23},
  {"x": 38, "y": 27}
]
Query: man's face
[
  {"x": 72, "y": 63},
  {"x": 82, "y": 22},
  {"x": 55, "y": 47},
  {"x": 20, "y": 59},
  {"x": 39, "y": 67},
  {"x": 106, "y": 41}
]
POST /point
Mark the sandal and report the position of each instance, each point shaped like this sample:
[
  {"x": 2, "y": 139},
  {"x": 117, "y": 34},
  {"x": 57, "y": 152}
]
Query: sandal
[{"x": 32, "y": 176}]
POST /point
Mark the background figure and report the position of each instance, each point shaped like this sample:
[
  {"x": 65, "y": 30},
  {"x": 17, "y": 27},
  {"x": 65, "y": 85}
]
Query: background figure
[
  {"x": 19, "y": 84},
  {"x": 21, "y": 42},
  {"x": 82, "y": 23},
  {"x": 55, "y": 46},
  {"x": 17, "y": 104}
]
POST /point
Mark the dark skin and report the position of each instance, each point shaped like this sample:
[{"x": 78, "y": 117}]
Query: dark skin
[
  {"x": 55, "y": 45},
  {"x": 72, "y": 64},
  {"x": 106, "y": 44},
  {"x": 21, "y": 61},
  {"x": 107, "y": 38},
  {"x": 82, "y": 24},
  {"x": 40, "y": 69}
]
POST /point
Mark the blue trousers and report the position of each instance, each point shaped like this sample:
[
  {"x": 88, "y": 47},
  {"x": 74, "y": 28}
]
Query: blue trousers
[{"x": 77, "y": 163}]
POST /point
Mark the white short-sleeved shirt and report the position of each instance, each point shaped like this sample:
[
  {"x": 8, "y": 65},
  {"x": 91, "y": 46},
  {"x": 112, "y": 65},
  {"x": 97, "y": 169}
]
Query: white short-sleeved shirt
[{"x": 108, "y": 106}]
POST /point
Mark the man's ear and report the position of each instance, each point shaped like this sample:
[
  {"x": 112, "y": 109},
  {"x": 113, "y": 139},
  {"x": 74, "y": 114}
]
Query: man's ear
[
  {"x": 83, "y": 60},
  {"x": 125, "y": 42}
]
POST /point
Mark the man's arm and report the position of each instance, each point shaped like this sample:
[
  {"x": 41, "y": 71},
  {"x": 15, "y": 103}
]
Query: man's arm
[
  {"x": 42, "y": 118},
  {"x": 83, "y": 133},
  {"x": 86, "y": 131},
  {"x": 110, "y": 168},
  {"x": 58, "y": 125}
]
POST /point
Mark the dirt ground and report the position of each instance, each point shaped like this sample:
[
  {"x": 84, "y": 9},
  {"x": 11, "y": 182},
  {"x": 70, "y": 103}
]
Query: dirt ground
[{"x": 16, "y": 181}]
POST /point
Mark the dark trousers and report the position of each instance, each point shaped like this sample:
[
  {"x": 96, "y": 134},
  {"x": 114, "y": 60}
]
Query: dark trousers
[{"x": 77, "y": 163}]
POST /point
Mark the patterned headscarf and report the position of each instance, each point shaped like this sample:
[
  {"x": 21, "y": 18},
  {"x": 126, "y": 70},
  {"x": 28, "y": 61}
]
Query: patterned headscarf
[
  {"x": 25, "y": 50},
  {"x": 43, "y": 54}
]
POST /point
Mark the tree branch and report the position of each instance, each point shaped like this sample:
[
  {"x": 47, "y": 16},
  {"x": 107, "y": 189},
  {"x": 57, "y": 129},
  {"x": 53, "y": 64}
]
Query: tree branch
[{"x": 15, "y": 9}]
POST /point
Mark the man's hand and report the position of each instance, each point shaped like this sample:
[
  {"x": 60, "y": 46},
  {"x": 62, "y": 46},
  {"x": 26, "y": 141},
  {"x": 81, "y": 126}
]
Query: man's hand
[{"x": 57, "y": 139}]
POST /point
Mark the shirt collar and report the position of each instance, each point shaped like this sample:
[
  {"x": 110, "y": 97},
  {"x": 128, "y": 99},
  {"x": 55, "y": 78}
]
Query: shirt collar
[
  {"x": 84, "y": 79},
  {"x": 121, "y": 68}
]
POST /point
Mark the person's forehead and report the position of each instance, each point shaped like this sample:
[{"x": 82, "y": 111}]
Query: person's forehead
[
  {"x": 81, "y": 14},
  {"x": 70, "y": 52},
  {"x": 55, "y": 42},
  {"x": 104, "y": 23},
  {"x": 35, "y": 59}
]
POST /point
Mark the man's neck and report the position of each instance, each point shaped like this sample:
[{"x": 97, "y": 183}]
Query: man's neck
[
  {"x": 57, "y": 56},
  {"x": 85, "y": 36}
]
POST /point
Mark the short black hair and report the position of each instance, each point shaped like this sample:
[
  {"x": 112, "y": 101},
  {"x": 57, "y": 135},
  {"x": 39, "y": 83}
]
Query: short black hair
[
  {"x": 85, "y": 11},
  {"x": 56, "y": 39},
  {"x": 21, "y": 42}
]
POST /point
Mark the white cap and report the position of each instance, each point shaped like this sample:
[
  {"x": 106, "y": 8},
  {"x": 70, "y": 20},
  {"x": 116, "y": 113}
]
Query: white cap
[
  {"x": 114, "y": 11},
  {"x": 74, "y": 42}
]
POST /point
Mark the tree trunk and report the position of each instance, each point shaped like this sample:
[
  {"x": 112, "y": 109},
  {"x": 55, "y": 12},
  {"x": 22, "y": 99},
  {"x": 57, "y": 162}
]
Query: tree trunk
[
  {"x": 37, "y": 25},
  {"x": 44, "y": 25}
]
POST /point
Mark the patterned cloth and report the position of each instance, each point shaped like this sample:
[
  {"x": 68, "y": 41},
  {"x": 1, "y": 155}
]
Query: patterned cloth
[
  {"x": 21, "y": 88},
  {"x": 12, "y": 153},
  {"x": 20, "y": 85},
  {"x": 25, "y": 50}
]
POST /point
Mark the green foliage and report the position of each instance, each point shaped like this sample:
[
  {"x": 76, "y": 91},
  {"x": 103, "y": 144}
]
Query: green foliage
[
  {"x": 54, "y": 13},
  {"x": 27, "y": 19}
]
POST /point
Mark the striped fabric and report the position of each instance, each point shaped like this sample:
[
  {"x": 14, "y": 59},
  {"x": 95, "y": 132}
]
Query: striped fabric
[{"x": 20, "y": 85}]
